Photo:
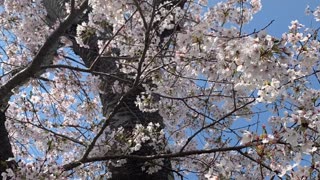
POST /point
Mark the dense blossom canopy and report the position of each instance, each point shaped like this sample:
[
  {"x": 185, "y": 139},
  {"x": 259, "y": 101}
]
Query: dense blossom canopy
[{"x": 208, "y": 79}]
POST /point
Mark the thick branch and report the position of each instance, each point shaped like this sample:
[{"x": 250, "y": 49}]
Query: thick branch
[
  {"x": 86, "y": 70},
  {"x": 35, "y": 66},
  {"x": 75, "y": 164}
]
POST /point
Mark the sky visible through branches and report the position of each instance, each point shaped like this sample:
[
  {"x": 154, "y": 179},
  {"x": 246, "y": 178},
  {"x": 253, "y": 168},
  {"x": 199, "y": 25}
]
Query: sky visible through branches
[
  {"x": 276, "y": 17},
  {"x": 282, "y": 12},
  {"x": 248, "y": 87}
]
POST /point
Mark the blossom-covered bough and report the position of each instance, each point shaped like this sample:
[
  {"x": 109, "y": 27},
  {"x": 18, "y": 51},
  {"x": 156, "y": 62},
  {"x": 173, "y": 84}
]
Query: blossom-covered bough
[{"x": 146, "y": 89}]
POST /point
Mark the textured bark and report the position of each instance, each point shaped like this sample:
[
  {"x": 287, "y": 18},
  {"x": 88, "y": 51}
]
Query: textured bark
[
  {"x": 127, "y": 116},
  {"x": 5, "y": 146}
]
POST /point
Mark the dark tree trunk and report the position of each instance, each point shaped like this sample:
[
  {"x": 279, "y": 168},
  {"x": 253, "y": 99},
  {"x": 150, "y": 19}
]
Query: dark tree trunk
[
  {"x": 127, "y": 116},
  {"x": 5, "y": 146}
]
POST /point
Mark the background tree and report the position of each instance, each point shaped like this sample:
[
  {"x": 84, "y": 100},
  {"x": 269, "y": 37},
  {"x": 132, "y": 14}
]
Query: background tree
[{"x": 147, "y": 89}]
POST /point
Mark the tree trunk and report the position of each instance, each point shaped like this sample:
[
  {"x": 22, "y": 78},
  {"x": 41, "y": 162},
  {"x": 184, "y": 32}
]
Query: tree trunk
[
  {"x": 127, "y": 116},
  {"x": 5, "y": 146}
]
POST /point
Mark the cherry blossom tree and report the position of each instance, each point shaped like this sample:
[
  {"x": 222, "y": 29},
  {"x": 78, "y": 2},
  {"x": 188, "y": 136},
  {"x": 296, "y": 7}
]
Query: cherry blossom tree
[{"x": 148, "y": 89}]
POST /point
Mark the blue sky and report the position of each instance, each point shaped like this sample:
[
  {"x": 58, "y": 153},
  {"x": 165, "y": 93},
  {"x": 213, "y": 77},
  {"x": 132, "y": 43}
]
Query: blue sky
[{"x": 283, "y": 12}]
